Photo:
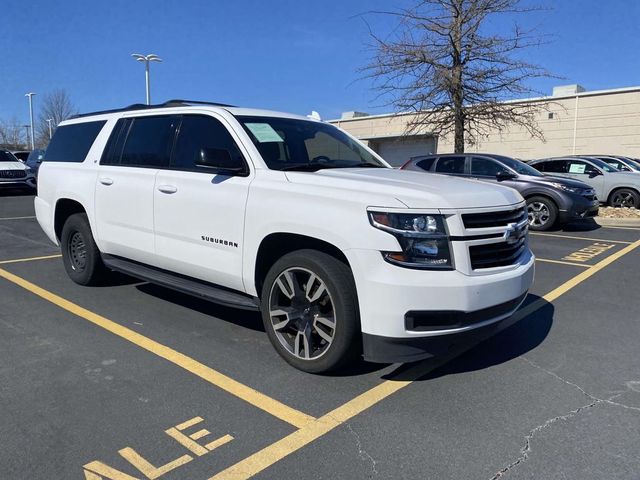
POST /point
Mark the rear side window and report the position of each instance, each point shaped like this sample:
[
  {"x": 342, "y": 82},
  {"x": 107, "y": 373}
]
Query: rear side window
[
  {"x": 558, "y": 166},
  {"x": 71, "y": 143},
  {"x": 450, "y": 165},
  {"x": 149, "y": 142},
  {"x": 199, "y": 132},
  {"x": 426, "y": 164}
]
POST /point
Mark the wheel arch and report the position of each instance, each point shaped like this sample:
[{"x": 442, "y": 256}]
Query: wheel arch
[
  {"x": 275, "y": 245},
  {"x": 621, "y": 187},
  {"x": 65, "y": 207}
]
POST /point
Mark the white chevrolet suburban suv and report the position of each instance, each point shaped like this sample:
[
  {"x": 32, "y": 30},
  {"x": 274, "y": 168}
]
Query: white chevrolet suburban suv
[{"x": 260, "y": 210}]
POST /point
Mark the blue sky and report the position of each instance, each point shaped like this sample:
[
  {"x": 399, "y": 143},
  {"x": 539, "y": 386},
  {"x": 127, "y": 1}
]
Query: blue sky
[{"x": 287, "y": 55}]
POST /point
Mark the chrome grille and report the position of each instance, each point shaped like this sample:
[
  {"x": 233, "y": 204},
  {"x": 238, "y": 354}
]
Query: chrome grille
[
  {"x": 494, "y": 219},
  {"x": 13, "y": 174},
  {"x": 502, "y": 253}
]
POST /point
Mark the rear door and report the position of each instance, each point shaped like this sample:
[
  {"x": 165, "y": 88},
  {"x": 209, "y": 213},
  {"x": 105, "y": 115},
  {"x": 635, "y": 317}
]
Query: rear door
[
  {"x": 199, "y": 215},
  {"x": 124, "y": 187},
  {"x": 454, "y": 165}
]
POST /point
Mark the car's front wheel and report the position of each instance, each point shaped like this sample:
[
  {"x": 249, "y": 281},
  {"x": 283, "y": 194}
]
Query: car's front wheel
[
  {"x": 542, "y": 212},
  {"x": 625, "y": 197},
  {"x": 310, "y": 311},
  {"x": 80, "y": 254}
]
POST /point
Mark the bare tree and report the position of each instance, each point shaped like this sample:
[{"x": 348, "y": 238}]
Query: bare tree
[
  {"x": 441, "y": 64},
  {"x": 13, "y": 135},
  {"x": 56, "y": 106}
]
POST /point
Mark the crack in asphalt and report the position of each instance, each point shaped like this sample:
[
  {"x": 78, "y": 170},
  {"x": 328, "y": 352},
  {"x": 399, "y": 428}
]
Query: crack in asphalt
[
  {"x": 362, "y": 453},
  {"x": 526, "y": 449}
]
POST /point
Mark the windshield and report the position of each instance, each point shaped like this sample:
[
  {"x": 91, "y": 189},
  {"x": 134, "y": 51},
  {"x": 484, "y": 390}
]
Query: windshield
[
  {"x": 519, "y": 167},
  {"x": 291, "y": 144},
  {"x": 634, "y": 164},
  {"x": 7, "y": 156},
  {"x": 603, "y": 165}
]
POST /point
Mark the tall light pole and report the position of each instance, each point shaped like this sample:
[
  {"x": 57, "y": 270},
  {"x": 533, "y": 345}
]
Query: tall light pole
[
  {"x": 147, "y": 59},
  {"x": 30, "y": 95},
  {"x": 49, "y": 120}
]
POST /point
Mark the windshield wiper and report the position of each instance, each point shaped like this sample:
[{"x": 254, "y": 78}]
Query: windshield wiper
[{"x": 305, "y": 167}]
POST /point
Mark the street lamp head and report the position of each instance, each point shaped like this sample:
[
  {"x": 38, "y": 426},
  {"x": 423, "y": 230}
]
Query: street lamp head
[
  {"x": 29, "y": 94},
  {"x": 146, "y": 58}
]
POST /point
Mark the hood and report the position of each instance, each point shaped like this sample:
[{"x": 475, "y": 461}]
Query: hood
[
  {"x": 17, "y": 165},
  {"x": 547, "y": 179},
  {"x": 413, "y": 189}
]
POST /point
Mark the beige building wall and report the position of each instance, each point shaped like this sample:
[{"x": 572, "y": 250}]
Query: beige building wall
[{"x": 598, "y": 122}]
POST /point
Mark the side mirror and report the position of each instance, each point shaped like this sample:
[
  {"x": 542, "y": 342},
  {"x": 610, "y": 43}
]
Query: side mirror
[
  {"x": 504, "y": 175},
  {"x": 220, "y": 161},
  {"x": 595, "y": 173}
]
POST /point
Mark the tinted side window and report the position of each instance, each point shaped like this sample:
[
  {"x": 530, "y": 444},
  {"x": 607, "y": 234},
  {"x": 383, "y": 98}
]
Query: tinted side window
[
  {"x": 426, "y": 164},
  {"x": 558, "y": 166},
  {"x": 113, "y": 149},
  {"x": 198, "y": 132},
  {"x": 71, "y": 143},
  {"x": 149, "y": 142},
  {"x": 581, "y": 168},
  {"x": 485, "y": 167},
  {"x": 450, "y": 165}
]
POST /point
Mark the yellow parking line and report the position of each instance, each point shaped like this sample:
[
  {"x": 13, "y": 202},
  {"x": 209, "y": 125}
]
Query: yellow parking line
[
  {"x": 17, "y": 218},
  {"x": 30, "y": 259},
  {"x": 588, "y": 239},
  {"x": 275, "y": 452},
  {"x": 548, "y": 260},
  {"x": 248, "y": 394}
]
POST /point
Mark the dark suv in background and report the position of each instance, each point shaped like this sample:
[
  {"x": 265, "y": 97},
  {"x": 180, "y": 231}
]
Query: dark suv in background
[{"x": 550, "y": 200}]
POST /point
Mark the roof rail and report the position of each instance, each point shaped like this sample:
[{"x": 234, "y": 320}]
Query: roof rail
[{"x": 142, "y": 106}]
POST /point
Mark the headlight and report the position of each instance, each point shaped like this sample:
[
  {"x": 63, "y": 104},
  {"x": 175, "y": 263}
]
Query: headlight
[
  {"x": 567, "y": 188},
  {"x": 423, "y": 239}
]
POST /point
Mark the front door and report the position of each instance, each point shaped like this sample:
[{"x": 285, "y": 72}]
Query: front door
[
  {"x": 199, "y": 215},
  {"x": 587, "y": 173}
]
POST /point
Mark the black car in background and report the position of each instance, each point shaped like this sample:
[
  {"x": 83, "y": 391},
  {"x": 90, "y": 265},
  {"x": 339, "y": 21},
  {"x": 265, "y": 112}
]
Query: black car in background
[
  {"x": 34, "y": 160},
  {"x": 550, "y": 200}
]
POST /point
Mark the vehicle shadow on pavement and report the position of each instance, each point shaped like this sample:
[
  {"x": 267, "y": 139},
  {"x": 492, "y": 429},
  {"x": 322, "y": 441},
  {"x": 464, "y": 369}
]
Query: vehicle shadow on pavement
[
  {"x": 16, "y": 192},
  {"x": 242, "y": 318},
  {"x": 586, "y": 225},
  {"x": 509, "y": 343}
]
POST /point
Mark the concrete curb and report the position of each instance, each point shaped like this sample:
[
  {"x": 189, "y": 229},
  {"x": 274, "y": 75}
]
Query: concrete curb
[{"x": 617, "y": 222}]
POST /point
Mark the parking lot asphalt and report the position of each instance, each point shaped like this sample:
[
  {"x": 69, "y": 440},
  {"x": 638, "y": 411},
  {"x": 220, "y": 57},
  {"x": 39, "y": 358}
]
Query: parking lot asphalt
[{"x": 132, "y": 380}]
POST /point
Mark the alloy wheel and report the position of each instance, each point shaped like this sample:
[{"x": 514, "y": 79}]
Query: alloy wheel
[
  {"x": 538, "y": 214},
  {"x": 623, "y": 199},
  {"x": 302, "y": 313}
]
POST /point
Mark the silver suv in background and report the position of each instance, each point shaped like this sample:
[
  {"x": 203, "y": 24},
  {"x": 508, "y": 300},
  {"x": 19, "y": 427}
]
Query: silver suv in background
[{"x": 613, "y": 187}]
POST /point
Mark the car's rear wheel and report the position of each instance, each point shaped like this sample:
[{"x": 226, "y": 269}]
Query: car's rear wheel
[
  {"x": 542, "y": 213},
  {"x": 310, "y": 311},
  {"x": 80, "y": 254},
  {"x": 625, "y": 197}
]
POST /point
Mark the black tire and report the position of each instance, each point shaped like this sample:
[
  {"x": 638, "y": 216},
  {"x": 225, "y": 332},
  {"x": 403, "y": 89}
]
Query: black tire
[
  {"x": 339, "y": 293},
  {"x": 624, "y": 197},
  {"x": 543, "y": 213},
  {"x": 80, "y": 255}
]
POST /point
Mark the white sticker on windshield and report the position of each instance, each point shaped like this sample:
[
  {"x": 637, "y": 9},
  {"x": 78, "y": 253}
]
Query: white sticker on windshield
[
  {"x": 577, "y": 167},
  {"x": 264, "y": 132}
]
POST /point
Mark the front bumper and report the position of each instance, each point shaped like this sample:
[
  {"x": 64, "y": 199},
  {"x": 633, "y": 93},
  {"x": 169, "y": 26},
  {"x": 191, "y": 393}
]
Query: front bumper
[
  {"x": 579, "y": 209},
  {"x": 29, "y": 182},
  {"x": 471, "y": 305}
]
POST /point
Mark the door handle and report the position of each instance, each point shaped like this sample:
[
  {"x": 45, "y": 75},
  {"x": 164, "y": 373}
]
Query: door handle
[
  {"x": 106, "y": 181},
  {"x": 167, "y": 188}
]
